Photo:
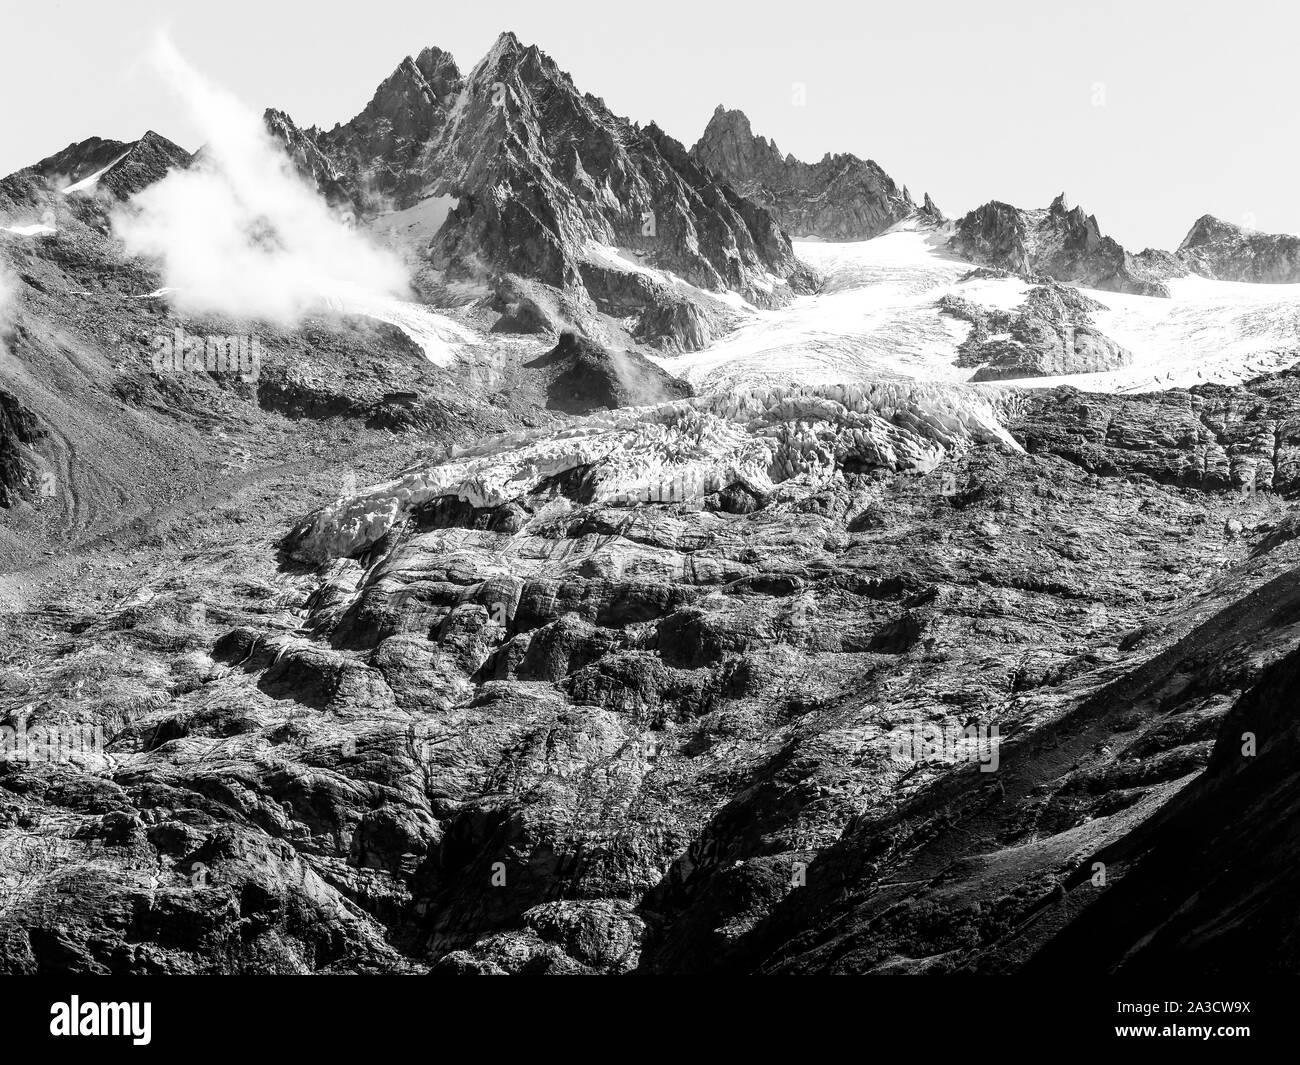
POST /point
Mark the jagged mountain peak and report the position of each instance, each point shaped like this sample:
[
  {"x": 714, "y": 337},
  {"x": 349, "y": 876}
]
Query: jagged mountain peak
[
  {"x": 405, "y": 98},
  {"x": 438, "y": 67},
  {"x": 506, "y": 43},
  {"x": 302, "y": 148},
  {"x": 508, "y": 53},
  {"x": 1208, "y": 229},
  {"x": 1061, "y": 242},
  {"x": 840, "y": 197},
  {"x": 544, "y": 178},
  {"x": 732, "y": 119},
  {"x": 121, "y": 168},
  {"x": 1229, "y": 252}
]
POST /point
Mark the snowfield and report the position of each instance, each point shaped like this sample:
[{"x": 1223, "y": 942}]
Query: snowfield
[
  {"x": 626, "y": 261},
  {"x": 440, "y": 338},
  {"x": 415, "y": 226},
  {"x": 1221, "y": 331},
  {"x": 34, "y": 230},
  {"x": 876, "y": 317},
  {"x": 90, "y": 182}
]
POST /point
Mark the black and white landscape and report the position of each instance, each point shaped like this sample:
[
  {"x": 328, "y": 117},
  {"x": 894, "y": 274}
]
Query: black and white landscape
[{"x": 491, "y": 535}]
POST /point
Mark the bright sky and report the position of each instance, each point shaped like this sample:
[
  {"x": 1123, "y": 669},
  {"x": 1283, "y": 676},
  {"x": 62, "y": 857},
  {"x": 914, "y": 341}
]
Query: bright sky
[{"x": 1145, "y": 112}]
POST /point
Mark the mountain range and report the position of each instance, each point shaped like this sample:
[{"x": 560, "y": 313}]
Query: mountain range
[{"x": 703, "y": 561}]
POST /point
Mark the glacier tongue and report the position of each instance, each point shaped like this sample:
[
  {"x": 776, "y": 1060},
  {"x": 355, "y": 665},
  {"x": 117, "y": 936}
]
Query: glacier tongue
[{"x": 681, "y": 452}]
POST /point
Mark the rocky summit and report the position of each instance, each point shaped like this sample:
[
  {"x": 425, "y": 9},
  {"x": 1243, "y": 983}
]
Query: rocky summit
[
  {"x": 543, "y": 181},
  {"x": 841, "y": 197},
  {"x": 1061, "y": 242},
  {"x": 486, "y": 537},
  {"x": 1218, "y": 249},
  {"x": 1050, "y": 334}
]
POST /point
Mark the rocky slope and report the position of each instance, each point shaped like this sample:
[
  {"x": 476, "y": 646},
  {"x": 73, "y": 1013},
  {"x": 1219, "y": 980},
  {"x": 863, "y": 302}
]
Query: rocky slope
[
  {"x": 841, "y": 197},
  {"x": 1050, "y": 334},
  {"x": 627, "y": 697}
]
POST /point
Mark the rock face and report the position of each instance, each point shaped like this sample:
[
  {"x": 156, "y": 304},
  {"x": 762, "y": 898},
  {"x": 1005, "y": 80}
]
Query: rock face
[
  {"x": 1229, "y": 832},
  {"x": 1060, "y": 242},
  {"x": 841, "y": 197},
  {"x": 1067, "y": 245},
  {"x": 123, "y": 167},
  {"x": 18, "y": 427},
  {"x": 542, "y": 176},
  {"x": 1208, "y": 437},
  {"x": 1217, "y": 249},
  {"x": 588, "y": 377},
  {"x": 1050, "y": 334},
  {"x": 309, "y": 160}
]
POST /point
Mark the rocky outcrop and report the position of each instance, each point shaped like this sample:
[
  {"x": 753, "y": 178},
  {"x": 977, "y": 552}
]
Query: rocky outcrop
[
  {"x": 1231, "y": 833},
  {"x": 1060, "y": 242},
  {"x": 18, "y": 427},
  {"x": 1212, "y": 438},
  {"x": 309, "y": 160},
  {"x": 587, "y": 377},
  {"x": 841, "y": 197},
  {"x": 1226, "y": 252},
  {"x": 1067, "y": 245},
  {"x": 1050, "y": 334}
]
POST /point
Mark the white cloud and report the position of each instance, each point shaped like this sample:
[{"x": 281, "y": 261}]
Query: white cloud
[
  {"x": 241, "y": 233},
  {"x": 8, "y": 288}
]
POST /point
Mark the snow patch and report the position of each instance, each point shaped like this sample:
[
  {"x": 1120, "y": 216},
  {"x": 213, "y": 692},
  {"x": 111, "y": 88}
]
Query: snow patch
[
  {"x": 416, "y": 225},
  {"x": 437, "y": 335},
  {"x": 1220, "y": 331},
  {"x": 90, "y": 182},
  {"x": 34, "y": 230},
  {"x": 625, "y": 261}
]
